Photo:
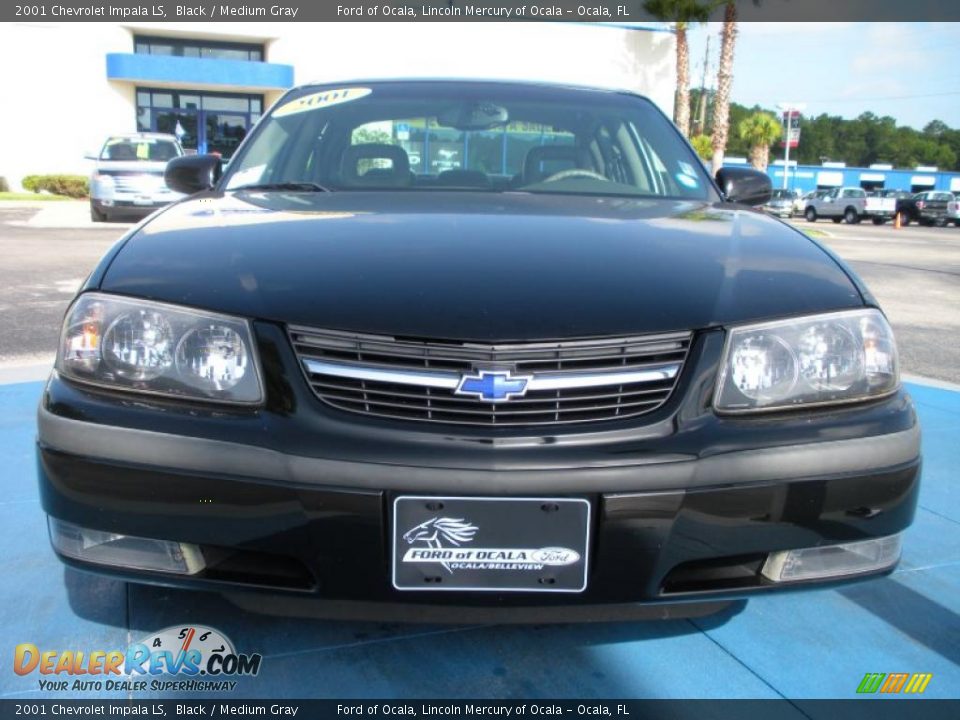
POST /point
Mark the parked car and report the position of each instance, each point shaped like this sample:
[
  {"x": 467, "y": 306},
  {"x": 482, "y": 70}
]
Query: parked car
[
  {"x": 953, "y": 210},
  {"x": 781, "y": 202},
  {"x": 880, "y": 207},
  {"x": 617, "y": 391},
  {"x": 127, "y": 180},
  {"x": 839, "y": 204},
  {"x": 933, "y": 207}
]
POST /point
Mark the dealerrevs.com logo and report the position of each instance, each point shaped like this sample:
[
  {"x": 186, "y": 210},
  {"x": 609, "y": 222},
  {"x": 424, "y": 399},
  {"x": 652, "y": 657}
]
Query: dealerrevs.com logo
[{"x": 181, "y": 658}]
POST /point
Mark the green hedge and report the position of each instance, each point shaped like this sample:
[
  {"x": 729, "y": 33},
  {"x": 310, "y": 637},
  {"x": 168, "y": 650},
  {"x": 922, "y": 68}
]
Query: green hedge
[{"x": 75, "y": 186}]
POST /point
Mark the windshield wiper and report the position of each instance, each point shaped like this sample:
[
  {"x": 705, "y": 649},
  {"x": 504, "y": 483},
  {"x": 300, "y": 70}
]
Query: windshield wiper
[{"x": 291, "y": 186}]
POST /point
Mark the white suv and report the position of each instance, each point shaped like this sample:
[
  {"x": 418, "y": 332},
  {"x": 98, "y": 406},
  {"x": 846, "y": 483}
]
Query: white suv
[{"x": 127, "y": 180}]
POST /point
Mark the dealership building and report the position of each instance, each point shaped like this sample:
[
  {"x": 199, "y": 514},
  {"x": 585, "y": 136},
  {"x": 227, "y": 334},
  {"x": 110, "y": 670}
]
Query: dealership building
[
  {"x": 75, "y": 84},
  {"x": 876, "y": 177}
]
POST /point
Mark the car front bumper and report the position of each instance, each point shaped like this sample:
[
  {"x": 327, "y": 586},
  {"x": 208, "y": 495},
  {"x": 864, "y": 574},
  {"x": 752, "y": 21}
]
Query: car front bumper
[{"x": 672, "y": 533}]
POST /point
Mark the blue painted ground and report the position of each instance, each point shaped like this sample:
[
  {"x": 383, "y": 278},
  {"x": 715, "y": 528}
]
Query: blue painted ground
[{"x": 803, "y": 645}]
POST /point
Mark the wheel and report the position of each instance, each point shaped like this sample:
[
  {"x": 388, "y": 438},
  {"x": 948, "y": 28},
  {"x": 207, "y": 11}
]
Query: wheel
[
  {"x": 97, "y": 215},
  {"x": 837, "y": 221},
  {"x": 878, "y": 221},
  {"x": 810, "y": 214},
  {"x": 904, "y": 219},
  {"x": 940, "y": 222},
  {"x": 851, "y": 216}
]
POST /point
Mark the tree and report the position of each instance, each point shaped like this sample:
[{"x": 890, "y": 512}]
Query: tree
[
  {"x": 760, "y": 131},
  {"x": 721, "y": 102},
  {"x": 681, "y": 13},
  {"x": 703, "y": 146}
]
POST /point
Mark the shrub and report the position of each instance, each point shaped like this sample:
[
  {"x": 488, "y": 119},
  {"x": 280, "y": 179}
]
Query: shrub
[{"x": 75, "y": 186}]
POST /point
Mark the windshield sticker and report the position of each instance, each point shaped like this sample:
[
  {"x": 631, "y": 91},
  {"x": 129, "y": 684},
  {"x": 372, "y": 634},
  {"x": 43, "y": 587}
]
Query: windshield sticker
[{"x": 320, "y": 100}]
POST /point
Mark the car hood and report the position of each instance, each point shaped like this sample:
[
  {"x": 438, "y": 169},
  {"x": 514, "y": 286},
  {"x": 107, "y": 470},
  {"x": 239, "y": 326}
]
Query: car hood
[
  {"x": 108, "y": 167},
  {"x": 478, "y": 266}
]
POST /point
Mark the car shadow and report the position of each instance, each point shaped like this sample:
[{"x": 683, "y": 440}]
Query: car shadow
[
  {"x": 561, "y": 659},
  {"x": 917, "y": 616}
]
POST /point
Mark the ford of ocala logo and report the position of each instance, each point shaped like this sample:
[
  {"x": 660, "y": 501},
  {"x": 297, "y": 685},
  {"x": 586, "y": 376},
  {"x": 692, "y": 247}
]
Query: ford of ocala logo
[
  {"x": 493, "y": 385},
  {"x": 446, "y": 537}
]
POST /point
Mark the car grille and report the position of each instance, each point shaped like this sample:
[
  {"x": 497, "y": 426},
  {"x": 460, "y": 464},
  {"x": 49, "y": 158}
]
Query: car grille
[
  {"x": 139, "y": 183},
  {"x": 647, "y": 368}
]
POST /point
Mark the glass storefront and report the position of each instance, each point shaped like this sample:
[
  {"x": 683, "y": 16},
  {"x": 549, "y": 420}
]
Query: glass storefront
[
  {"x": 185, "y": 47},
  {"x": 205, "y": 122}
]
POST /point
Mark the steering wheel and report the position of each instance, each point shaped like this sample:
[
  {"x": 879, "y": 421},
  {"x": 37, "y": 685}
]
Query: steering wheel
[{"x": 575, "y": 172}]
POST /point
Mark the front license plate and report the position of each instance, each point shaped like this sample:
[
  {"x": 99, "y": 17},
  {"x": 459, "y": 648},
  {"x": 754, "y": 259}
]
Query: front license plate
[
  {"x": 143, "y": 201},
  {"x": 490, "y": 544}
]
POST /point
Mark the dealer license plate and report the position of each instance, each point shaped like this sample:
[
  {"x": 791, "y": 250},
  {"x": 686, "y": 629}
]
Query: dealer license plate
[{"x": 490, "y": 544}]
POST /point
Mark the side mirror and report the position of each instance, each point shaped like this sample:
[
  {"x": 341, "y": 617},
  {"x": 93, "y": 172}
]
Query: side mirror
[
  {"x": 190, "y": 174},
  {"x": 745, "y": 185},
  {"x": 90, "y": 155}
]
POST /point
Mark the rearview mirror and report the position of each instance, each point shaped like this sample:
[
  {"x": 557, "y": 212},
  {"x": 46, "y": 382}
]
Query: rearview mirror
[
  {"x": 190, "y": 174},
  {"x": 745, "y": 186}
]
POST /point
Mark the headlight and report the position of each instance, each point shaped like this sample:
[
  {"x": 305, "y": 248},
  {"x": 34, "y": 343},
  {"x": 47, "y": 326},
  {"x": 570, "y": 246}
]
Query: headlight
[
  {"x": 157, "y": 348},
  {"x": 839, "y": 357}
]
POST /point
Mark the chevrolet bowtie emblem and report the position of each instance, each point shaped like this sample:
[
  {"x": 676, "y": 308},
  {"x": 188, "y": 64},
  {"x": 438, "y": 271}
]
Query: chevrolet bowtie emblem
[{"x": 493, "y": 386}]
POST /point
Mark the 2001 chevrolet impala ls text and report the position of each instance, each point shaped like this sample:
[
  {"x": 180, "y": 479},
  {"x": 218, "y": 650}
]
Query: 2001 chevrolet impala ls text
[{"x": 441, "y": 350}]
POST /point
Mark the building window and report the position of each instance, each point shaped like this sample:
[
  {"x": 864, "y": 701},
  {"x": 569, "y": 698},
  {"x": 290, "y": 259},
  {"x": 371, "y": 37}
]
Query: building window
[
  {"x": 202, "y": 121},
  {"x": 208, "y": 49}
]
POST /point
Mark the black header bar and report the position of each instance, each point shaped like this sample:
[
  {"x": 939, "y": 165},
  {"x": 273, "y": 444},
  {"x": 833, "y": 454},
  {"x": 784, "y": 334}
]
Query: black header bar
[{"x": 614, "y": 11}]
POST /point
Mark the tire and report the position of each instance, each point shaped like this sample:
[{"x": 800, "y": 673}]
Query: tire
[
  {"x": 940, "y": 222},
  {"x": 810, "y": 214},
  {"x": 904, "y": 219},
  {"x": 97, "y": 215},
  {"x": 879, "y": 221},
  {"x": 851, "y": 216}
]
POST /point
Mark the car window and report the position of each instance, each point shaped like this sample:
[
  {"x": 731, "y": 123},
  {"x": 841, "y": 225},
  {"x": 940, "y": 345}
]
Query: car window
[
  {"x": 470, "y": 136},
  {"x": 140, "y": 149}
]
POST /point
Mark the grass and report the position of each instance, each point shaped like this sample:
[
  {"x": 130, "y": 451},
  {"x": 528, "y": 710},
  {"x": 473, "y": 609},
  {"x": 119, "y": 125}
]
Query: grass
[
  {"x": 30, "y": 196},
  {"x": 815, "y": 233}
]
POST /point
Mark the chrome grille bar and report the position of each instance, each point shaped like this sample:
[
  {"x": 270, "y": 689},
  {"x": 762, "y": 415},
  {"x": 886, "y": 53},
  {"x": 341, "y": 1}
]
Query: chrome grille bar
[{"x": 570, "y": 381}]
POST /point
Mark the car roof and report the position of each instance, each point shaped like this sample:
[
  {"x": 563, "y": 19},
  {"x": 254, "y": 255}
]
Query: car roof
[
  {"x": 135, "y": 136},
  {"x": 469, "y": 80}
]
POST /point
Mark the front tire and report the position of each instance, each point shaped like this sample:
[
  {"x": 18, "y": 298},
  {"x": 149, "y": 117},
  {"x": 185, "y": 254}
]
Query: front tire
[
  {"x": 810, "y": 214},
  {"x": 96, "y": 214}
]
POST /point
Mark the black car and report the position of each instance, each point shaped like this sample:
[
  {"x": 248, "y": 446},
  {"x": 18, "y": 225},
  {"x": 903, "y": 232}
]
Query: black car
[
  {"x": 566, "y": 377},
  {"x": 935, "y": 207}
]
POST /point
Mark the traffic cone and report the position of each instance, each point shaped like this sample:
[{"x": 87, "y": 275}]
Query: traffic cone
[{"x": 896, "y": 221}]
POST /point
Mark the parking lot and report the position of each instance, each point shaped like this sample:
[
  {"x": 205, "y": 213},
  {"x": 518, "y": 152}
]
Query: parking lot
[{"x": 803, "y": 645}]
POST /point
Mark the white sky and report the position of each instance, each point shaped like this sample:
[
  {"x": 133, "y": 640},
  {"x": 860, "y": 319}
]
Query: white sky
[{"x": 910, "y": 71}]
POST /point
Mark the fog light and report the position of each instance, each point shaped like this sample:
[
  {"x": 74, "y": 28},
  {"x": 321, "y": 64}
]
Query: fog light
[
  {"x": 833, "y": 560},
  {"x": 106, "y": 548}
]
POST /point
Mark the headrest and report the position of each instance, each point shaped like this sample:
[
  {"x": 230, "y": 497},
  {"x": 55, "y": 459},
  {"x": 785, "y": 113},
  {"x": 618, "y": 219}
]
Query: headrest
[{"x": 397, "y": 174}]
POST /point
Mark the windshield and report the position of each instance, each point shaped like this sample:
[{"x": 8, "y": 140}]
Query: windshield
[
  {"x": 423, "y": 136},
  {"x": 140, "y": 149}
]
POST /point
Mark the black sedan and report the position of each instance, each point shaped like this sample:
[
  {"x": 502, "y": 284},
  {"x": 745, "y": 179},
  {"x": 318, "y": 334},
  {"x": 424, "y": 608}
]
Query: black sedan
[{"x": 552, "y": 371}]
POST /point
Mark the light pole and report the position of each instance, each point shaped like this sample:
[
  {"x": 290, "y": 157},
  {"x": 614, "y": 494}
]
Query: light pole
[{"x": 787, "y": 110}]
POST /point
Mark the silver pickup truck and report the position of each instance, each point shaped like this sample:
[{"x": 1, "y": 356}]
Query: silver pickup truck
[{"x": 838, "y": 204}]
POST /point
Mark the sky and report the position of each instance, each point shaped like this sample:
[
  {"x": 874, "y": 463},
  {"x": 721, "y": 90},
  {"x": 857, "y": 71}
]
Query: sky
[{"x": 906, "y": 70}]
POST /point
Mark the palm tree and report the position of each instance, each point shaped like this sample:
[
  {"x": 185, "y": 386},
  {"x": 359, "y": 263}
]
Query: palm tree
[
  {"x": 681, "y": 13},
  {"x": 760, "y": 131},
  {"x": 721, "y": 101},
  {"x": 703, "y": 146}
]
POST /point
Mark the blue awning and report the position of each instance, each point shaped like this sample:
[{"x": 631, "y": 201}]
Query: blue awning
[{"x": 201, "y": 72}]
